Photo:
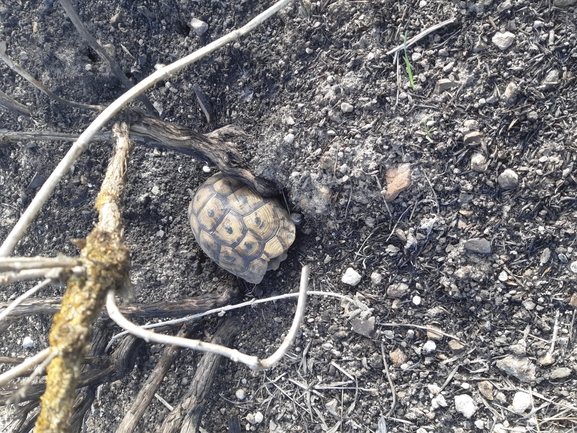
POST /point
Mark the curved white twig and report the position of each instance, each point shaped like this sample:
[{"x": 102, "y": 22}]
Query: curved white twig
[{"x": 251, "y": 361}]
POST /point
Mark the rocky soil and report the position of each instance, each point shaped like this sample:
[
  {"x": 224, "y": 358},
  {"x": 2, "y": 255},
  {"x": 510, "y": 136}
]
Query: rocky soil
[{"x": 443, "y": 200}]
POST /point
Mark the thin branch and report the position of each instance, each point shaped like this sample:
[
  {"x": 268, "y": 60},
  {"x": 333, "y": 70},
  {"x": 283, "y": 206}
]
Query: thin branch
[
  {"x": 81, "y": 144},
  {"x": 224, "y": 309},
  {"x": 200, "y": 304},
  {"x": 392, "y": 385},
  {"x": 107, "y": 261},
  {"x": 20, "y": 263},
  {"x": 24, "y": 366},
  {"x": 186, "y": 415},
  {"x": 34, "y": 274},
  {"x": 114, "y": 66},
  {"x": 13, "y": 105},
  {"x": 16, "y": 68},
  {"x": 4, "y": 313},
  {"x": 147, "y": 391},
  {"x": 421, "y": 35},
  {"x": 251, "y": 361}
]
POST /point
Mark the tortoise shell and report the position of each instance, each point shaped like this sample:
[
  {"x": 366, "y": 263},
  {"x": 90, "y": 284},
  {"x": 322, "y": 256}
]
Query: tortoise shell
[{"x": 244, "y": 233}]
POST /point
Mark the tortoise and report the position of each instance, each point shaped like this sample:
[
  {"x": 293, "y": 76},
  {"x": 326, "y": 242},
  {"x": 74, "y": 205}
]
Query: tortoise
[{"x": 243, "y": 232}]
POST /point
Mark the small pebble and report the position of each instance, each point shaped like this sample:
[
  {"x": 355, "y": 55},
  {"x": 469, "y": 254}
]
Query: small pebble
[
  {"x": 206, "y": 169},
  {"x": 545, "y": 256},
  {"x": 478, "y": 246},
  {"x": 486, "y": 389},
  {"x": 417, "y": 300},
  {"x": 466, "y": 405},
  {"x": 551, "y": 80},
  {"x": 473, "y": 137},
  {"x": 456, "y": 346},
  {"x": 510, "y": 93},
  {"x": 503, "y": 276},
  {"x": 573, "y": 267},
  {"x": 398, "y": 357},
  {"x": 508, "y": 179},
  {"x": 240, "y": 394},
  {"x": 503, "y": 40},
  {"x": 346, "y": 107},
  {"x": 478, "y": 163},
  {"x": 376, "y": 278},
  {"x": 28, "y": 343},
  {"x": 155, "y": 190},
  {"x": 521, "y": 402},
  {"x": 518, "y": 366},
  {"x": 160, "y": 233},
  {"x": 397, "y": 290},
  {"x": 351, "y": 277},
  {"x": 289, "y": 139},
  {"x": 199, "y": 27},
  {"x": 438, "y": 401},
  {"x": 445, "y": 84},
  {"x": 258, "y": 417},
  {"x": 560, "y": 373},
  {"x": 429, "y": 347}
]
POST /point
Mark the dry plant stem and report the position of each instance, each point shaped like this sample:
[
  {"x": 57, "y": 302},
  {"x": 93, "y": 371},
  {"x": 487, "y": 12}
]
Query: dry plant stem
[
  {"x": 421, "y": 36},
  {"x": 80, "y": 145},
  {"x": 12, "y": 105},
  {"x": 226, "y": 308},
  {"x": 24, "y": 367},
  {"x": 34, "y": 274},
  {"x": 186, "y": 415},
  {"x": 107, "y": 260},
  {"x": 14, "y": 136},
  {"x": 178, "y": 308},
  {"x": 114, "y": 66},
  {"x": 20, "y": 263},
  {"x": 4, "y": 313},
  {"x": 154, "y": 380},
  {"x": 251, "y": 361},
  {"x": 16, "y": 68}
]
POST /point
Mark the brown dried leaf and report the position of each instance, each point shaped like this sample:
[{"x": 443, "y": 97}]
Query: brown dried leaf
[{"x": 398, "y": 180}]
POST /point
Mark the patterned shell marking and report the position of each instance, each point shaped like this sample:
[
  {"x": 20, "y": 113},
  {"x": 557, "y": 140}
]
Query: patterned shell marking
[{"x": 241, "y": 231}]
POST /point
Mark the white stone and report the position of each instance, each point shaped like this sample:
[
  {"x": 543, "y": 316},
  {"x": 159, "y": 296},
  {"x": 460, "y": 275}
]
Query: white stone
[
  {"x": 351, "y": 277},
  {"x": 346, "y": 107},
  {"x": 465, "y": 405},
  {"x": 377, "y": 278},
  {"x": 417, "y": 300},
  {"x": 206, "y": 169},
  {"x": 240, "y": 394},
  {"x": 28, "y": 343},
  {"x": 438, "y": 401},
  {"x": 289, "y": 139},
  {"x": 573, "y": 267},
  {"x": 258, "y": 417},
  {"x": 510, "y": 92},
  {"x": 521, "y": 402},
  {"x": 429, "y": 347},
  {"x": 160, "y": 233},
  {"x": 503, "y": 40},
  {"x": 508, "y": 179},
  {"x": 199, "y": 27},
  {"x": 478, "y": 163}
]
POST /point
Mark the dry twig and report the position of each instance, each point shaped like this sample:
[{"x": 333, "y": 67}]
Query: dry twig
[
  {"x": 106, "y": 259},
  {"x": 251, "y": 361}
]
